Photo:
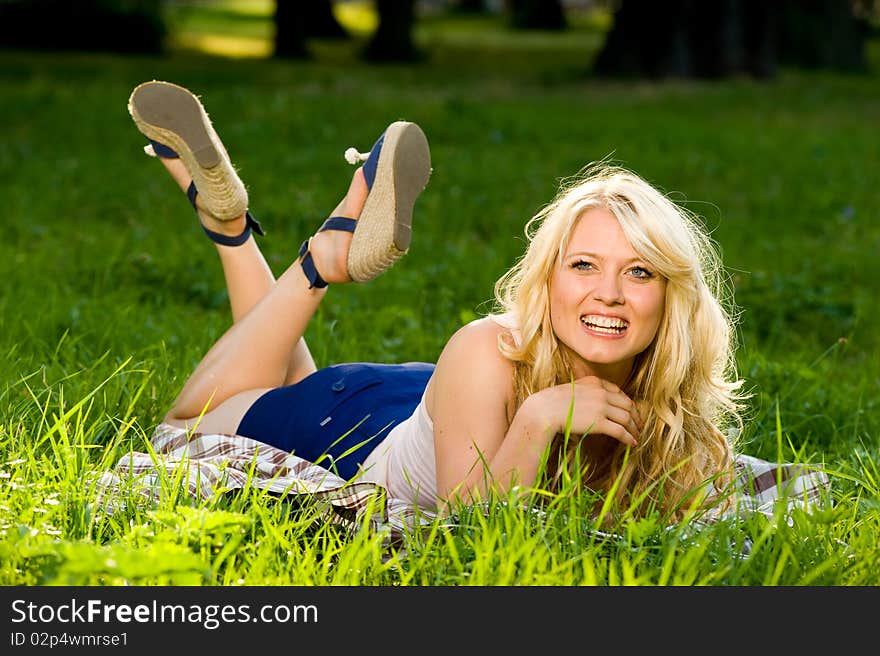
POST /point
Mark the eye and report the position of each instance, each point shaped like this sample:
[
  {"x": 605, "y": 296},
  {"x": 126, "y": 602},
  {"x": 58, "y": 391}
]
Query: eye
[
  {"x": 641, "y": 272},
  {"x": 582, "y": 265}
]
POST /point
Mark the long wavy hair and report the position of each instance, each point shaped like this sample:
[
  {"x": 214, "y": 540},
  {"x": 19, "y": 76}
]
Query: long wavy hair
[{"x": 686, "y": 378}]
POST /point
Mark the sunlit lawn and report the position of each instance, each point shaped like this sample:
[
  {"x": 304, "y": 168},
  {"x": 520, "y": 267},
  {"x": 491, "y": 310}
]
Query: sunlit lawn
[{"x": 112, "y": 294}]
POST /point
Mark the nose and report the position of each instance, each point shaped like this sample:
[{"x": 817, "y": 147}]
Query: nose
[{"x": 608, "y": 289}]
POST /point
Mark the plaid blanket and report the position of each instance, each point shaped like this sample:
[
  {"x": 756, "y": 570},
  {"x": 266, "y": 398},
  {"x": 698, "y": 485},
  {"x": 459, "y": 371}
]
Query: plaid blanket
[{"x": 205, "y": 464}]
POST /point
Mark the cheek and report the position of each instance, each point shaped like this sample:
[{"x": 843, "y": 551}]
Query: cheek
[
  {"x": 651, "y": 303},
  {"x": 562, "y": 296},
  {"x": 556, "y": 294},
  {"x": 565, "y": 289}
]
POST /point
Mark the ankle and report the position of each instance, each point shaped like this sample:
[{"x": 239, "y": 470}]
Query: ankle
[
  {"x": 330, "y": 256},
  {"x": 230, "y": 228}
]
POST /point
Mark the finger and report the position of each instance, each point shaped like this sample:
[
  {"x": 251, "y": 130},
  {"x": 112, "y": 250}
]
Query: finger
[
  {"x": 622, "y": 401},
  {"x": 625, "y": 419},
  {"x": 612, "y": 390},
  {"x": 638, "y": 415},
  {"x": 609, "y": 386},
  {"x": 615, "y": 430}
]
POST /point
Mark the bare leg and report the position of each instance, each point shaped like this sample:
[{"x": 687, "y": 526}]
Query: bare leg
[
  {"x": 256, "y": 352},
  {"x": 248, "y": 276}
]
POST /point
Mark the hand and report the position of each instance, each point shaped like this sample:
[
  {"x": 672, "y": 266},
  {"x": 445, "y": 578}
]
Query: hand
[{"x": 600, "y": 407}]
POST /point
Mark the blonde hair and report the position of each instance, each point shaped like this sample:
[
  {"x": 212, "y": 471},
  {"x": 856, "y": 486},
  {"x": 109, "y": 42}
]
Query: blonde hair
[{"x": 686, "y": 378}]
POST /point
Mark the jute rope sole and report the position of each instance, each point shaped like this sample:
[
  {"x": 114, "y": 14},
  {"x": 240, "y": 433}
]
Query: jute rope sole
[
  {"x": 173, "y": 116},
  {"x": 384, "y": 228}
]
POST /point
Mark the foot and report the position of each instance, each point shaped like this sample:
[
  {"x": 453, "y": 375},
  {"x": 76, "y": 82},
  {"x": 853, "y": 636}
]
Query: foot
[
  {"x": 373, "y": 224},
  {"x": 330, "y": 248},
  {"x": 175, "y": 118},
  {"x": 231, "y": 227},
  {"x": 396, "y": 169}
]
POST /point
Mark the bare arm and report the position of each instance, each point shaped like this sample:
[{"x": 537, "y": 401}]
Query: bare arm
[
  {"x": 479, "y": 445},
  {"x": 468, "y": 401}
]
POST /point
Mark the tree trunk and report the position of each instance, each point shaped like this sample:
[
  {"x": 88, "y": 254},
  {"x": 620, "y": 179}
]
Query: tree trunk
[
  {"x": 646, "y": 40},
  {"x": 470, "y": 6},
  {"x": 319, "y": 19},
  {"x": 290, "y": 30},
  {"x": 392, "y": 40},
  {"x": 825, "y": 34},
  {"x": 760, "y": 52},
  {"x": 136, "y": 26},
  {"x": 537, "y": 14},
  {"x": 690, "y": 38}
]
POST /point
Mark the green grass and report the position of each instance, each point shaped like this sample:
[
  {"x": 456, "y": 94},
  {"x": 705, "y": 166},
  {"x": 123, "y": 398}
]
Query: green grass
[{"x": 111, "y": 295}]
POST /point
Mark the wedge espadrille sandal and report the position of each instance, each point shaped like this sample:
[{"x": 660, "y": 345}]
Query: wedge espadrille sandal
[
  {"x": 396, "y": 171},
  {"x": 342, "y": 223},
  {"x": 172, "y": 116},
  {"x": 156, "y": 149}
]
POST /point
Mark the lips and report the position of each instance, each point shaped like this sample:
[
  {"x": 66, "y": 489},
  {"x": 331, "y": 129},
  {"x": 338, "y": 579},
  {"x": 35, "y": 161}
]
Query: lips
[{"x": 605, "y": 325}]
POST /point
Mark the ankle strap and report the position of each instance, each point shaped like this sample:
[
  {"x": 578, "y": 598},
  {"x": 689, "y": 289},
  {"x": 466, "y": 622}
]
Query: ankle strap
[
  {"x": 341, "y": 223},
  {"x": 308, "y": 266},
  {"x": 161, "y": 150},
  {"x": 225, "y": 240}
]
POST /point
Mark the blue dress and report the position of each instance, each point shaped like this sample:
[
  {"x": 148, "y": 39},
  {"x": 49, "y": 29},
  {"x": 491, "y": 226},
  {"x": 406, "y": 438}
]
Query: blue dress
[{"x": 337, "y": 415}]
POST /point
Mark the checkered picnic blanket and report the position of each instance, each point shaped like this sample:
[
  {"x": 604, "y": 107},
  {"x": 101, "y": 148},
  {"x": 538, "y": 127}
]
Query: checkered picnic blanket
[{"x": 205, "y": 464}]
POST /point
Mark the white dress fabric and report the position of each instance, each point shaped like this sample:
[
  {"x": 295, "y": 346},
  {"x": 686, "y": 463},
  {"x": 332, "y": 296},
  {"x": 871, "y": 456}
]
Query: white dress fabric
[{"x": 404, "y": 462}]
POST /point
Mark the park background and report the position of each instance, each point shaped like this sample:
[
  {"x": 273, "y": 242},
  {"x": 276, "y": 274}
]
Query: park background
[{"x": 761, "y": 121}]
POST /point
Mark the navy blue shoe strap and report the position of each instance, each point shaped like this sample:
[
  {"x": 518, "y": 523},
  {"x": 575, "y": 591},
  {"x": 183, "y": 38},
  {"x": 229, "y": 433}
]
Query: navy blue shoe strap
[
  {"x": 191, "y": 193},
  {"x": 162, "y": 150},
  {"x": 372, "y": 162},
  {"x": 308, "y": 267},
  {"x": 251, "y": 224},
  {"x": 342, "y": 223}
]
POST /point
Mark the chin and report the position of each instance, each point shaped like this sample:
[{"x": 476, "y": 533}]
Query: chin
[
  {"x": 594, "y": 357},
  {"x": 605, "y": 353},
  {"x": 602, "y": 358}
]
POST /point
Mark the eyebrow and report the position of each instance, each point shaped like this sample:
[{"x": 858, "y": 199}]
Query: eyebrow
[{"x": 599, "y": 257}]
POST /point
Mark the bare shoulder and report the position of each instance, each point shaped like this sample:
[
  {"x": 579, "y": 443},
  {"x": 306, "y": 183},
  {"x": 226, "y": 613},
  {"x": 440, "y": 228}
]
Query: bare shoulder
[
  {"x": 477, "y": 341},
  {"x": 471, "y": 359}
]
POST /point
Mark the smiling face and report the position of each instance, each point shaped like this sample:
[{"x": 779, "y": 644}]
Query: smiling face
[{"x": 606, "y": 302}]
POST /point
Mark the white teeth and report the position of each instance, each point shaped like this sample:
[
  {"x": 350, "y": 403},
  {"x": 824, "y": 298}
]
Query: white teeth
[
  {"x": 603, "y": 322},
  {"x": 607, "y": 331}
]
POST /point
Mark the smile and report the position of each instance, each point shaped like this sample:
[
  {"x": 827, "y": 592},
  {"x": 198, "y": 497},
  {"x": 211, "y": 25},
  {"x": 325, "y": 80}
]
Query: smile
[{"x": 605, "y": 326}]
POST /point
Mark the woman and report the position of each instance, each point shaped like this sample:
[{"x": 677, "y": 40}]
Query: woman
[{"x": 611, "y": 356}]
